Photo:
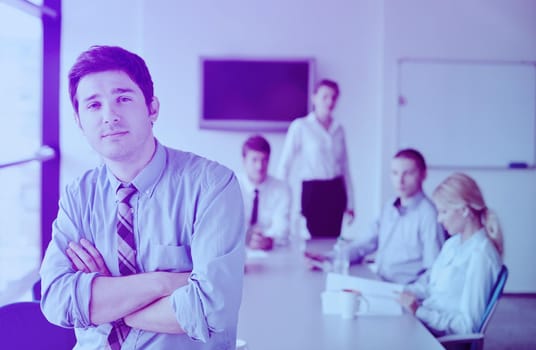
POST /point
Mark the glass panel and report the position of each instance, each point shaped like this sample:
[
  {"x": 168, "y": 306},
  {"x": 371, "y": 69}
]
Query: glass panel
[{"x": 20, "y": 135}]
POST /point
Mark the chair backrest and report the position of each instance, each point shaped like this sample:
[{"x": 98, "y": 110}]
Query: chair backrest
[
  {"x": 36, "y": 291},
  {"x": 23, "y": 326},
  {"x": 496, "y": 293}
]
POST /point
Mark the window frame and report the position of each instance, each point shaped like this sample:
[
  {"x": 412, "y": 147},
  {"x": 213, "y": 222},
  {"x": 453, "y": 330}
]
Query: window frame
[{"x": 50, "y": 14}]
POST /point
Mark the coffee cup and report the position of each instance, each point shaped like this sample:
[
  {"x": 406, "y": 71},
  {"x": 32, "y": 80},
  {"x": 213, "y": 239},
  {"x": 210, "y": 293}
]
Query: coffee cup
[{"x": 351, "y": 303}]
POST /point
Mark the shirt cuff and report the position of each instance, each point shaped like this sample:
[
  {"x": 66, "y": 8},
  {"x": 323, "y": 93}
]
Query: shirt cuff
[{"x": 82, "y": 292}]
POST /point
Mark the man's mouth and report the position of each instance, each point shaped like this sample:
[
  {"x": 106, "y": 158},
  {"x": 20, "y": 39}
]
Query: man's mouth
[{"x": 114, "y": 133}]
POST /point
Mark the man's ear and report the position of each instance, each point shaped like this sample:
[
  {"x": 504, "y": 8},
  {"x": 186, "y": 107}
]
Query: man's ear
[
  {"x": 154, "y": 108},
  {"x": 424, "y": 174}
]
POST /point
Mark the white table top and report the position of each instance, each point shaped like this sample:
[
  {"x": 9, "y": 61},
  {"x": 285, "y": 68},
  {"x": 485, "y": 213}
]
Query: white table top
[{"x": 281, "y": 309}]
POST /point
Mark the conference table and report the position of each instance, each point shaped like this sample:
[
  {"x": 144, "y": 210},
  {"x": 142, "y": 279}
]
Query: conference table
[{"x": 281, "y": 309}]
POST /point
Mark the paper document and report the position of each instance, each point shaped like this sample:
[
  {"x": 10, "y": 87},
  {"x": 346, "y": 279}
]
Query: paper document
[
  {"x": 364, "y": 285},
  {"x": 380, "y": 296}
]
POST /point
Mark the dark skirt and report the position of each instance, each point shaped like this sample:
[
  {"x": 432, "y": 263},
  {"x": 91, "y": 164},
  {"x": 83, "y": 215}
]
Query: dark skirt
[{"x": 323, "y": 205}]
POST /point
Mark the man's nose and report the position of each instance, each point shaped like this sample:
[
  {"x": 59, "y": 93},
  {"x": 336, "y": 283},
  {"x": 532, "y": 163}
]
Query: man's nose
[{"x": 110, "y": 114}]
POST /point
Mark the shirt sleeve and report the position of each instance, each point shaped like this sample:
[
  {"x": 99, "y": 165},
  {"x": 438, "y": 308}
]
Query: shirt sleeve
[
  {"x": 346, "y": 174},
  {"x": 65, "y": 292},
  {"x": 211, "y": 300},
  {"x": 432, "y": 238},
  {"x": 366, "y": 244},
  {"x": 280, "y": 227},
  {"x": 466, "y": 316},
  {"x": 291, "y": 147}
]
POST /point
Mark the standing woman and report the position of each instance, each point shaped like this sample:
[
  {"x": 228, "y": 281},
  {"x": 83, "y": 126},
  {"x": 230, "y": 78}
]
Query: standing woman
[
  {"x": 316, "y": 146},
  {"x": 468, "y": 265}
]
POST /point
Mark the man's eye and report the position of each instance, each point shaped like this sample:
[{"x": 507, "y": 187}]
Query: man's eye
[
  {"x": 93, "y": 106},
  {"x": 123, "y": 99}
]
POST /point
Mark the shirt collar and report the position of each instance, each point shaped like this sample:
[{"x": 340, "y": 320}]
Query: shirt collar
[
  {"x": 250, "y": 187},
  {"x": 476, "y": 237},
  {"x": 411, "y": 202},
  {"x": 334, "y": 123},
  {"x": 148, "y": 177}
]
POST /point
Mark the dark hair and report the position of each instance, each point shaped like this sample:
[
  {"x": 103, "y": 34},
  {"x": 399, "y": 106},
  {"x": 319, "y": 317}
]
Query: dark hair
[
  {"x": 413, "y": 154},
  {"x": 110, "y": 58},
  {"x": 329, "y": 83},
  {"x": 256, "y": 143}
]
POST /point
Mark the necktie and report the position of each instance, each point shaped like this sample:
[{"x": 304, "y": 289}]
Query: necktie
[
  {"x": 126, "y": 248},
  {"x": 255, "y": 210}
]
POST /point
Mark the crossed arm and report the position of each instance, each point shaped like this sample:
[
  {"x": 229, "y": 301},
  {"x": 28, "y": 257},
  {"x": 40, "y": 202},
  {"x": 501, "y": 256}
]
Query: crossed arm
[{"x": 148, "y": 305}]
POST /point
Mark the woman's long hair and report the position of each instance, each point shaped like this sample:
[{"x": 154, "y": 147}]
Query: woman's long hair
[{"x": 461, "y": 190}]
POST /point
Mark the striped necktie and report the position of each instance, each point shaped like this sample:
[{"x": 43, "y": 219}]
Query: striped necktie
[{"x": 126, "y": 249}]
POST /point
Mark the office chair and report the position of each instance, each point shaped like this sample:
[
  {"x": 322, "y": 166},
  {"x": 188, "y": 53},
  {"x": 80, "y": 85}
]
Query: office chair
[
  {"x": 36, "y": 291},
  {"x": 23, "y": 326},
  {"x": 475, "y": 341}
]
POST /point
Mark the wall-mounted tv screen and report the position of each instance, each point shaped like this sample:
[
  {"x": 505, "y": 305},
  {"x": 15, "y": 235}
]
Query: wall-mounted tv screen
[{"x": 254, "y": 94}]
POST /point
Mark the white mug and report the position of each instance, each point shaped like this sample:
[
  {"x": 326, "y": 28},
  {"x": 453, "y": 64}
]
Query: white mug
[{"x": 351, "y": 303}]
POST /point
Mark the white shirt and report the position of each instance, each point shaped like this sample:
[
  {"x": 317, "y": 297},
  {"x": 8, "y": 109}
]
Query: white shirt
[
  {"x": 321, "y": 153},
  {"x": 406, "y": 240},
  {"x": 273, "y": 208},
  {"x": 461, "y": 280}
]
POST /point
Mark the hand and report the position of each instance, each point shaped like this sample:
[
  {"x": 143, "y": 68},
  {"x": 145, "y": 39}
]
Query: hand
[
  {"x": 351, "y": 215},
  {"x": 86, "y": 258},
  {"x": 260, "y": 241},
  {"x": 408, "y": 301},
  {"x": 316, "y": 261}
]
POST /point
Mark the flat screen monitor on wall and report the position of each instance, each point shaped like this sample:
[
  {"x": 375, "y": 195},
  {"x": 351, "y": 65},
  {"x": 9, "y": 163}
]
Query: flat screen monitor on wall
[{"x": 254, "y": 94}]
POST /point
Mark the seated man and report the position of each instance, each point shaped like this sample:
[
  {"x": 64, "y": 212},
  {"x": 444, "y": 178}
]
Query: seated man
[
  {"x": 266, "y": 199},
  {"x": 407, "y": 237}
]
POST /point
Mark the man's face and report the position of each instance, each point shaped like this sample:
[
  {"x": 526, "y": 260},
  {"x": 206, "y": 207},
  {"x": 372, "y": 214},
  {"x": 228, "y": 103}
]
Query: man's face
[
  {"x": 256, "y": 166},
  {"x": 406, "y": 177},
  {"x": 324, "y": 101},
  {"x": 113, "y": 115}
]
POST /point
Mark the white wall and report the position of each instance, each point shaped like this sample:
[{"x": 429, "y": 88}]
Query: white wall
[
  {"x": 343, "y": 36},
  {"x": 87, "y": 23},
  {"x": 355, "y": 42},
  {"x": 480, "y": 30}
]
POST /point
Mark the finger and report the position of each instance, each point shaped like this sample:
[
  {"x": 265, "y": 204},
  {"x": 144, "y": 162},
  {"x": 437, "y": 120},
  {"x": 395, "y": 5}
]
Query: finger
[
  {"x": 75, "y": 260},
  {"x": 256, "y": 242},
  {"x": 256, "y": 237},
  {"x": 253, "y": 244},
  {"x": 315, "y": 256},
  {"x": 96, "y": 255},
  {"x": 84, "y": 256}
]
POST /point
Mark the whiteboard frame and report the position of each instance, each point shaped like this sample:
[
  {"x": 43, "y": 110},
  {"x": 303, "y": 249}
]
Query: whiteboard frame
[{"x": 531, "y": 165}]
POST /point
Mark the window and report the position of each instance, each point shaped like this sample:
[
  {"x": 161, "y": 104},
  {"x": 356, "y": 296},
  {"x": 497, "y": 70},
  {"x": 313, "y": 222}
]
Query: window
[{"x": 25, "y": 38}]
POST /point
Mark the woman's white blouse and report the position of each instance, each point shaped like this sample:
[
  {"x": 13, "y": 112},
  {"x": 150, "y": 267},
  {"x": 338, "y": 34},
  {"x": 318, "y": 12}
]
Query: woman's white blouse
[
  {"x": 460, "y": 284},
  {"x": 316, "y": 153}
]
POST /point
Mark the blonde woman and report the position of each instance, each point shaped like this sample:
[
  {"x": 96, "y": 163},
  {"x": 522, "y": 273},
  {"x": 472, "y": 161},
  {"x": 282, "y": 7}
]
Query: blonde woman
[{"x": 463, "y": 275}]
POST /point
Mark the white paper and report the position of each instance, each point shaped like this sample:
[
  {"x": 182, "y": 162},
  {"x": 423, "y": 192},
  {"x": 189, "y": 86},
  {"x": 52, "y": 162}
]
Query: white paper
[
  {"x": 380, "y": 296},
  {"x": 336, "y": 281}
]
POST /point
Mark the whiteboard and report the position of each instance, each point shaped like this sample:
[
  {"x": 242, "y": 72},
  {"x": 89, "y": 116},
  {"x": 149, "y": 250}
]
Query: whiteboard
[{"x": 468, "y": 114}]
